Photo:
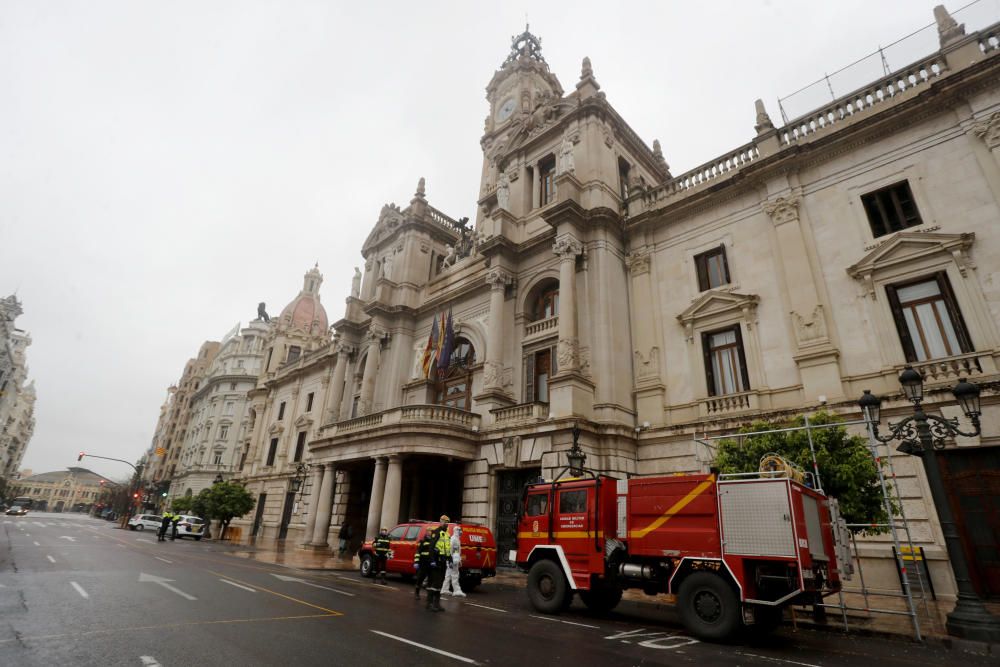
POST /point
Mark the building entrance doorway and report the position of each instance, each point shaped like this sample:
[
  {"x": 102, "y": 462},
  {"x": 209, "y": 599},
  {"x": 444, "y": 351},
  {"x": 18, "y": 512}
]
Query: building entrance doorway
[
  {"x": 972, "y": 478},
  {"x": 510, "y": 483},
  {"x": 259, "y": 516},
  {"x": 286, "y": 515},
  {"x": 431, "y": 486},
  {"x": 358, "y": 480}
]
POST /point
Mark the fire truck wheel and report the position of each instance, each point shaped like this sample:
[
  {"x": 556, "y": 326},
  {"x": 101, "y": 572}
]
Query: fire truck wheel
[
  {"x": 547, "y": 587},
  {"x": 602, "y": 599},
  {"x": 366, "y": 565},
  {"x": 708, "y": 607}
]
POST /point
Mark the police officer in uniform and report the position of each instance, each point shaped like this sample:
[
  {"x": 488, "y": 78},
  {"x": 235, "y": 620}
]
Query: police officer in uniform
[
  {"x": 440, "y": 555},
  {"x": 381, "y": 546},
  {"x": 422, "y": 559}
]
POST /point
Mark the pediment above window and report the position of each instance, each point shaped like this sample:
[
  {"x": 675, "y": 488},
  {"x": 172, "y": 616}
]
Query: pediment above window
[
  {"x": 303, "y": 422},
  {"x": 905, "y": 249},
  {"x": 717, "y": 306},
  {"x": 276, "y": 428}
]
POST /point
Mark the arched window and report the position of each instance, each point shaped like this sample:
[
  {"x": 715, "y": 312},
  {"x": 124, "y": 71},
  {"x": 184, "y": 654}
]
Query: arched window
[
  {"x": 454, "y": 386},
  {"x": 544, "y": 303}
]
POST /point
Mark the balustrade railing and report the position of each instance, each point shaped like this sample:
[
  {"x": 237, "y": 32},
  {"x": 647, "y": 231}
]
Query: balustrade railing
[
  {"x": 429, "y": 413},
  {"x": 715, "y": 406},
  {"x": 521, "y": 412},
  {"x": 442, "y": 219},
  {"x": 949, "y": 369},
  {"x": 360, "y": 423},
  {"x": 541, "y": 326},
  {"x": 864, "y": 99},
  {"x": 437, "y": 413}
]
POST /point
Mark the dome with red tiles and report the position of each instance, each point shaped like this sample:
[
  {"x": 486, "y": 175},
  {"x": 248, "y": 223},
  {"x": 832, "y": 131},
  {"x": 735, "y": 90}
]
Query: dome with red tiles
[{"x": 305, "y": 312}]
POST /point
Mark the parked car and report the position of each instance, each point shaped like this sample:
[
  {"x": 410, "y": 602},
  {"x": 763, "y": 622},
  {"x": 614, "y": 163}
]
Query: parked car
[
  {"x": 191, "y": 526},
  {"x": 479, "y": 551},
  {"x": 143, "y": 521},
  {"x": 16, "y": 510}
]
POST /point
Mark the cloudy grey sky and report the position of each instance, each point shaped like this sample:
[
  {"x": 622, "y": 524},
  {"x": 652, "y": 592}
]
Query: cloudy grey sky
[{"x": 164, "y": 166}]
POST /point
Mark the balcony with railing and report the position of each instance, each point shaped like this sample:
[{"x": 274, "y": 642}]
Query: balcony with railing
[
  {"x": 729, "y": 404},
  {"x": 947, "y": 370},
  {"x": 541, "y": 328},
  {"x": 418, "y": 416},
  {"x": 521, "y": 413}
]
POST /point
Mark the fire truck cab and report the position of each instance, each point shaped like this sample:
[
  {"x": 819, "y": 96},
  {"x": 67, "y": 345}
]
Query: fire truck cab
[{"x": 732, "y": 552}]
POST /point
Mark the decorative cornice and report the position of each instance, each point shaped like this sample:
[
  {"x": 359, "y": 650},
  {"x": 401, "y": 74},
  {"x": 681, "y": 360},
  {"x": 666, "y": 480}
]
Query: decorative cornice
[
  {"x": 638, "y": 262},
  {"x": 567, "y": 246},
  {"x": 988, "y": 130},
  {"x": 498, "y": 278},
  {"x": 782, "y": 209}
]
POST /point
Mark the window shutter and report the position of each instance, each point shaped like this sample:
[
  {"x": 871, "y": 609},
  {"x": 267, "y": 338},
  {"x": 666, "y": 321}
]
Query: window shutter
[
  {"x": 744, "y": 371},
  {"x": 701, "y": 265},
  {"x": 957, "y": 321},
  {"x": 725, "y": 262},
  {"x": 706, "y": 350},
  {"x": 904, "y": 332},
  {"x": 529, "y": 378}
]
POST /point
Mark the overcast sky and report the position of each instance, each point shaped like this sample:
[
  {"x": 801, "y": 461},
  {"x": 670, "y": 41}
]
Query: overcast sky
[{"x": 164, "y": 166}]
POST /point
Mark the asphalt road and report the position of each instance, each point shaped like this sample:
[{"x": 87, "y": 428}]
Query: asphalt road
[{"x": 78, "y": 591}]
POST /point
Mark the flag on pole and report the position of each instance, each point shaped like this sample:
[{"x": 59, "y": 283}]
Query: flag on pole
[
  {"x": 448, "y": 342},
  {"x": 432, "y": 343}
]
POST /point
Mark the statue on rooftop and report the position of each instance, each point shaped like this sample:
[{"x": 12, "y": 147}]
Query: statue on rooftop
[
  {"x": 356, "y": 283},
  {"x": 262, "y": 313}
]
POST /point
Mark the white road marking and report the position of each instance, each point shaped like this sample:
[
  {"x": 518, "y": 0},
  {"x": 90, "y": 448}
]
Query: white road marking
[
  {"x": 35, "y": 542},
  {"x": 120, "y": 545},
  {"x": 482, "y": 606},
  {"x": 767, "y": 657},
  {"x": 27, "y": 534},
  {"x": 67, "y": 537},
  {"x": 143, "y": 539},
  {"x": 79, "y": 589},
  {"x": 656, "y": 639},
  {"x": 308, "y": 583},
  {"x": 39, "y": 523},
  {"x": 427, "y": 648},
  {"x": 164, "y": 560},
  {"x": 150, "y": 661},
  {"x": 51, "y": 559},
  {"x": 163, "y": 581},
  {"x": 556, "y": 620},
  {"x": 233, "y": 583}
]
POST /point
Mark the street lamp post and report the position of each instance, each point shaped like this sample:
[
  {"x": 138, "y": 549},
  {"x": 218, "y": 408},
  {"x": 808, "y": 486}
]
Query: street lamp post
[
  {"x": 295, "y": 486},
  {"x": 920, "y": 435},
  {"x": 575, "y": 456}
]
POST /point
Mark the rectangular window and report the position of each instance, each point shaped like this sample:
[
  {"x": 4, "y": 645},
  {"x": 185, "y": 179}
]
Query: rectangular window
[
  {"x": 281, "y": 411},
  {"x": 354, "y": 406},
  {"x": 712, "y": 267},
  {"x": 543, "y": 371},
  {"x": 294, "y": 352},
  {"x": 573, "y": 502},
  {"x": 547, "y": 180},
  {"x": 232, "y": 385},
  {"x": 217, "y": 458},
  {"x": 309, "y": 401},
  {"x": 223, "y": 431},
  {"x": 928, "y": 320},
  {"x": 272, "y": 451},
  {"x": 725, "y": 362},
  {"x": 300, "y": 446},
  {"x": 538, "y": 504},
  {"x": 623, "y": 172},
  {"x": 891, "y": 209},
  {"x": 229, "y": 408}
]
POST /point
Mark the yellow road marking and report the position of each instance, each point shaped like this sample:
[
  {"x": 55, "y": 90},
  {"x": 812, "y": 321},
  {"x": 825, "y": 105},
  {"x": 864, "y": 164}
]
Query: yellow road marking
[
  {"x": 677, "y": 507},
  {"x": 280, "y": 595},
  {"x": 162, "y": 626}
]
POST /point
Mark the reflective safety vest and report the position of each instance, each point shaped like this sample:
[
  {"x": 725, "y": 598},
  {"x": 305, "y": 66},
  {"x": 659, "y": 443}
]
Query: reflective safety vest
[
  {"x": 381, "y": 545},
  {"x": 422, "y": 554},
  {"x": 443, "y": 546}
]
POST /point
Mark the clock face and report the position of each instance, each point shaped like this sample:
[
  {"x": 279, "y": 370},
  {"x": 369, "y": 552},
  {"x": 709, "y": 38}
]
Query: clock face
[{"x": 506, "y": 109}]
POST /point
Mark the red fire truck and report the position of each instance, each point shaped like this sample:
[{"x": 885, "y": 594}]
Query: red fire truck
[{"x": 732, "y": 550}]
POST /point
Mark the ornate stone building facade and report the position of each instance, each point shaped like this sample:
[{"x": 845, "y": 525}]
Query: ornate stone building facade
[
  {"x": 219, "y": 412},
  {"x": 596, "y": 289},
  {"x": 17, "y": 394},
  {"x": 73, "y": 489}
]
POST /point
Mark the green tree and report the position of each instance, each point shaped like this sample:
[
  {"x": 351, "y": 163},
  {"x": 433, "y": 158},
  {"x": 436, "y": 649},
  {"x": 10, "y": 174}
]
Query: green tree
[
  {"x": 224, "y": 502},
  {"x": 846, "y": 467},
  {"x": 182, "y": 504}
]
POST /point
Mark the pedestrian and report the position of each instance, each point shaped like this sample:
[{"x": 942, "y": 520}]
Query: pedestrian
[
  {"x": 422, "y": 558},
  {"x": 381, "y": 546},
  {"x": 174, "y": 520},
  {"x": 161, "y": 534},
  {"x": 440, "y": 554},
  {"x": 345, "y": 534},
  {"x": 451, "y": 577}
]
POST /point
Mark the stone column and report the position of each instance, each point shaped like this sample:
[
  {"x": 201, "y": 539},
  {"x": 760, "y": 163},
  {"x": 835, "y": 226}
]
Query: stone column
[
  {"x": 315, "y": 486},
  {"x": 371, "y": 369},
  {"x": 375, "y": 504},
  {"x": 393, "y": 486},
  {"x": 337, "y": 385},
  {"x": 567, "y": 247},
  {"x": 323, "y": 508},
  {"x": 497, "y": 279}
]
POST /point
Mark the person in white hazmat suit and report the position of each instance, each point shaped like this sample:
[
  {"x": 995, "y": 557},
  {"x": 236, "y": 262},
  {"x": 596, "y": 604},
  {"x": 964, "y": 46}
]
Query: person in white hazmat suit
[{"x": 454, "y": 565}]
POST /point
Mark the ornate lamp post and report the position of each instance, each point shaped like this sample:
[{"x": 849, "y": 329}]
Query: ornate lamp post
[
  {"x": 218, "y": 479},
  {"x": 575, "y": 455},
  {"x": 920, "y": 435},
  {"x": 300, "y": 475}
]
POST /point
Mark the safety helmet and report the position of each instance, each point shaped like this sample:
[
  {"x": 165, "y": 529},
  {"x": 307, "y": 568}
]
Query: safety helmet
[{"x": 445, "y": 519}]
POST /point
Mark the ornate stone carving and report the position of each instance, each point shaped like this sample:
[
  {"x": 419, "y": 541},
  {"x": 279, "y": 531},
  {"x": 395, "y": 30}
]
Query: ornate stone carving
[
  {"x": 647, "y": 365},
  {"x": 811, "y": 330},
  {"x": 782, "y": 209},
  {"x": 638, "y": 262},
  {"x": 949, "y": 30},
  {"x": 375, "y": 335},
  {"x": 498, "y": 278},
  {"x": 492, "y": 374},
  {"x": 356, "y": 283},
  {"x": 503, "y": 191},
  {"x": 567, "y": 246},
  {"x": 609, "y": 135},
  {"x": 989, "y": 130},
  {"x": 568, "y": 353},
  {"x": 763, "y": 123},
  {"x": 567, "y": 163}
]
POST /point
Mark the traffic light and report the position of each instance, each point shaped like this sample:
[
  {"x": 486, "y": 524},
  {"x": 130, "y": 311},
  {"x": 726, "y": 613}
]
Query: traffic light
[
  {"x": 136, "y": 496},
  {"x": 80, "y": 457}
]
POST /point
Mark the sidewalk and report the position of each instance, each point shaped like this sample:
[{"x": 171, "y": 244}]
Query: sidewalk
[{"x": 899, "y": 627}]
